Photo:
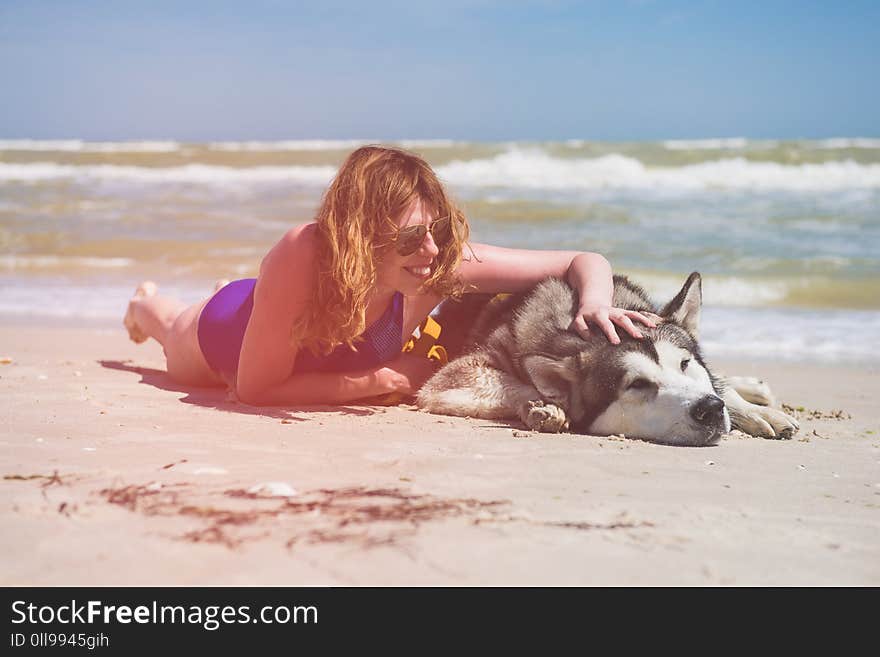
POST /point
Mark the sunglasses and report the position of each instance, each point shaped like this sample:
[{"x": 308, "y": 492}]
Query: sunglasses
[{"x": 410, "y": 238}]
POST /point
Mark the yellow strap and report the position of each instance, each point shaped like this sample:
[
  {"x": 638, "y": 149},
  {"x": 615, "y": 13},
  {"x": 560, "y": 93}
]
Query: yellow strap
[
  {"x": 429, "y": 331},
  {"x": 425, "y": 345},
  {"x": 431, "y": 327},
  {"x": 438, "y": 352}
]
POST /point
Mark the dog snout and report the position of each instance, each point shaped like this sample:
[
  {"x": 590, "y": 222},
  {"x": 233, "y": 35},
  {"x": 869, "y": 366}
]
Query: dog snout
[{"x": 708, "y": 411}]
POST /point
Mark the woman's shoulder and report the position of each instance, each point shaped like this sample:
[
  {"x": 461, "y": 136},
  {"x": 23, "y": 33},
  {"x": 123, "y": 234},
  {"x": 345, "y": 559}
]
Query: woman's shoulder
[
  {"x": 288, "y": 271},
  {"x": 301, "y": 239},
  {"x": 297, "y": 249}
]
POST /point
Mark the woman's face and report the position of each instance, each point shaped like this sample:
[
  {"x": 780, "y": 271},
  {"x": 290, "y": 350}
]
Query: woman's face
[{"x": 406, "y": 274}]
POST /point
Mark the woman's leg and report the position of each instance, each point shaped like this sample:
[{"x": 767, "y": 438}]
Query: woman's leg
[
  {"x": 174, "y": 325},
  {"x": 149, "y": 315}
]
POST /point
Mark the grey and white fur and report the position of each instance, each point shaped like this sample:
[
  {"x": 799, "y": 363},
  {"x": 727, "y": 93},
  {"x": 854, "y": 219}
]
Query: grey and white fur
[{"x": 517, "y": 358}]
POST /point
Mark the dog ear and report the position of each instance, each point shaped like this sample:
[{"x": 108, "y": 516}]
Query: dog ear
[
  {"x": 684, "y": 309},
  {"x": 553, "y": 377}
]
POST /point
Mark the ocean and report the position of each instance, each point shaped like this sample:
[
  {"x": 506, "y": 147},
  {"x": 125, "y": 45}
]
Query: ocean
[{"x": 786, "y": 233}]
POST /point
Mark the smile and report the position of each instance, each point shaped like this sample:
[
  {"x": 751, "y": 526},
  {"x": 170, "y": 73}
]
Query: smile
[{"x": 419, "y": 272}]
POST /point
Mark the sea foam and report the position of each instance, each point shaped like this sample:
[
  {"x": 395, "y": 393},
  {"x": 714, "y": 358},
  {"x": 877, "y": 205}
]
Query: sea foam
[
  {"x": 727, "y": 143},
  {"x": 199, "y": 174},
  {"x": 791, "y": 335},
  {"x": 326, "y": 144},
  {"x": 515, "y": 168},
  {"x": 289, "y": 145},
  {"x": 26, "y": 261},
  {"x": 169, "y": 146},
  {"x": 533, "y": 169},
  {"x": 80, "y": 146},
  {"x": 849, "y": 142},
  {"x": 718, "y": 290}
]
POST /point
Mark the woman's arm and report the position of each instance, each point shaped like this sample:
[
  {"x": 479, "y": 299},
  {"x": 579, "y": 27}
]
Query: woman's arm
[
  {"x": 497, "y": 269},
  {"x": 405, "y": 374},
  {"x": 282, "y": 294}
]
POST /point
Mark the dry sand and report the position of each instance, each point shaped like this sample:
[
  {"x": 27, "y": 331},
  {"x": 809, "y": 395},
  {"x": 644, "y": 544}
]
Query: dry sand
[{"x": 113, "y": 475}]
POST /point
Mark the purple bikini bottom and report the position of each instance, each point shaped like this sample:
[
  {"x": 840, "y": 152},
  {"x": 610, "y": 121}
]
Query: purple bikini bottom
[{"x": 225, "y": 318}]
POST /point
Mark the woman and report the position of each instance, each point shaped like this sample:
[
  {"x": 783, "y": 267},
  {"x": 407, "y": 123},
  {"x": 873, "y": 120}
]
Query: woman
[{"x": 324, "y": 321}]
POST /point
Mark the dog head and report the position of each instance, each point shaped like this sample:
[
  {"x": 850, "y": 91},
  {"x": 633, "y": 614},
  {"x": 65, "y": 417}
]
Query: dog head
[{"x": 657, "y": 388}]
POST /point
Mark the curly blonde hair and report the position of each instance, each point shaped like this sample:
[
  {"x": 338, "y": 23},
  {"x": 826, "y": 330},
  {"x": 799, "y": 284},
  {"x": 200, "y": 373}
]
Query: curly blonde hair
[{"x": 358, "y": 212}]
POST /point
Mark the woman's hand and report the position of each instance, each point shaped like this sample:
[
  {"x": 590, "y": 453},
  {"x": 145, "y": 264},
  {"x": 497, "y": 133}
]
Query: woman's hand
[
  {"x": 589, "y": 274},
  {"x": 407, "y": 373},
  {"x": 605, "y": 317}
]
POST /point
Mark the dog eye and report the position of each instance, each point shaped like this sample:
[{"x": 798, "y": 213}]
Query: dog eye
[
  {"x": 685, "y": 363},
  {"x": 640, "y": 384}
]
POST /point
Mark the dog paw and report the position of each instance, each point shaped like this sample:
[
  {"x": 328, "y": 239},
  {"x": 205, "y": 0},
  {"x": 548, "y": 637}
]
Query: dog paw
[
  {"x": 766, "y": 422},
  {"x": 546, "y": 418},
  {"x": 752, "y": 390}
]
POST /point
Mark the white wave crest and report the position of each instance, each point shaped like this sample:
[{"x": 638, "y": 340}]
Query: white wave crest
[
  {"x": 325, "y": 144},
  {"x": 726, "y": 143},
  {"x": 791, "y": 335},
  {"x": 849, "y": 142},
  {"x": 514, "y": 169},
  {"x": 58, "y": 297},
  {"x": 532, "y": 169},
  {"x": 289, "y": 145},
  {"x": 430, "y": 143},
  {"x": 267, "y": 146},
  {"x": 717, "y": 290},
  {"x": 80, "y": 146},
  {"x": 12, "y": 262},
  {"x": 201, "y": 174}
]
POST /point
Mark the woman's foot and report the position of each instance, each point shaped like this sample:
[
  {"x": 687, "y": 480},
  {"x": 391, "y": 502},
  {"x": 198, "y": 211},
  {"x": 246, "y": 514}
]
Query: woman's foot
[{"x": 145, "y": 289}]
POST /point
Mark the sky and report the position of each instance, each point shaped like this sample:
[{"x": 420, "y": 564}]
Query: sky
[{"x": 479, "y": 70}]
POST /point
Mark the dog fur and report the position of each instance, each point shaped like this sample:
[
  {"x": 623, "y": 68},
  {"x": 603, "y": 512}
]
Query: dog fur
[{"x": 517, "y": 358}]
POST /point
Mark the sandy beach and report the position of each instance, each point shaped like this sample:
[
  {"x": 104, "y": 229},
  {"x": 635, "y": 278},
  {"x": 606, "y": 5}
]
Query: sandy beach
[
  {"x": 647, "y": 139},
  {"x": 113, "y": 475}
]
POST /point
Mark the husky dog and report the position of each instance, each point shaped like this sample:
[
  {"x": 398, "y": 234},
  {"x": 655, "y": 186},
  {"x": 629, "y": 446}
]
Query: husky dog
[{"x": 518, "y": 359}]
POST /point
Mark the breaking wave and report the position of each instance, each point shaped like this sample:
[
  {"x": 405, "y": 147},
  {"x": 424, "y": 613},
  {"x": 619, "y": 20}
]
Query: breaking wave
[
  {"x": 325, "y": 144},
  {"x": 288, "y": 145},
  {"x": 537, "y": 170},
  {"x": 198, "y": 174},
  {"x": 849, "y": 142},
  {"x": 170, "y": 146},
  {"x": 80, "y": 146},
  {"x": 727, "y": 143},
  {"x": 27, "y": 261},
  {"x": 791, "y": 335},
  {"x": 513, "y": 169}
]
